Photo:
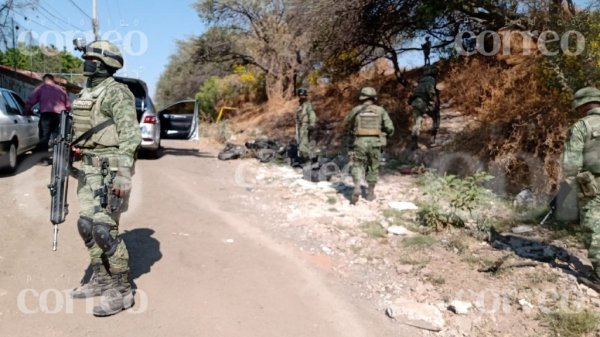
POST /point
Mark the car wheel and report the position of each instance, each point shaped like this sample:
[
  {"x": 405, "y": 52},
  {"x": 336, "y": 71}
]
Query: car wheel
[{"x": 11, "y": 159}]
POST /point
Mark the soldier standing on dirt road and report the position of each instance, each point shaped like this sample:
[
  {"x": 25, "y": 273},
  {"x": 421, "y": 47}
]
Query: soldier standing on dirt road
[
  {"x": 306, "y": 120},
  {"x": 107, "y": 161},
  {"x": 581, "y": 165},
  {"x": 425, "y": 101},
  {"x": 365, "y": 124}
]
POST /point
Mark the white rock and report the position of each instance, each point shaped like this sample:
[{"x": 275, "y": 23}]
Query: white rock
[
  {"x": 229, "y": 241},
  {"x": 397, "y": 230},
  {"x": 3, "y": 292},
  {"x": 525, "y": 305},
  {"x": 420, "y": 315},
  {"x": 522, "y": 229},
  {"x": 326, "y": 250},
  {"x": 402, "y": 205},
  {"x": 460, "y": 307}
]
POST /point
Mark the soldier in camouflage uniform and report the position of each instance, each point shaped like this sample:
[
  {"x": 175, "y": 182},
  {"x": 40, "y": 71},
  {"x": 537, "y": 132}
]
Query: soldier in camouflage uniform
[
  {"x": 366, "y": 124},
  {"x": 305, "y": 124},
  {"x": 107, "y": 163},
  {"x": 581, "y": 165},
  {"x": 425, "y": 101}
]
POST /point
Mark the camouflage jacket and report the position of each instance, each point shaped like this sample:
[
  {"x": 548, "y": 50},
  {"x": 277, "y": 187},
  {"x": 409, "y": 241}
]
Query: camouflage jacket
[
  {"x": 305, "y": 115},
  {"x": 116, "y": 102},
  {"x": 582, "y": 146}
]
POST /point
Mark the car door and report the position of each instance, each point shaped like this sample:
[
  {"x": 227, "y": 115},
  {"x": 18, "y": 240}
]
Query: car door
[
  {"x": 31, "y": 127},
  {"x": 179, "y": 119},
  {"x": 6, "y": 123}
]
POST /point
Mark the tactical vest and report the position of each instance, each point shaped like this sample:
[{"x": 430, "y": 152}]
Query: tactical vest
[
  {"x": 87, "y": 113},
  {"x": 591, "y": 150},
  {"x": 422, "y": 89},
  {"x": 367, "y": 122}
]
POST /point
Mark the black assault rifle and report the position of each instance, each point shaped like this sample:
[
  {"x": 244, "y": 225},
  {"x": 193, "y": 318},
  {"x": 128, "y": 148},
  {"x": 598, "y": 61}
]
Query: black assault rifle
[
  {"x": 62, "y": 168},
  {"x": 557, "y": 201},
  {"x": 62, "y": 160}
]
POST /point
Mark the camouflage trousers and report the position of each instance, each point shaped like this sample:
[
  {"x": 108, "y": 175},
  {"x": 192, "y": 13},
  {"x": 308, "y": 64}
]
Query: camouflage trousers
[
  {"x": 89, "y": 205},
  {"x": 590, "y": 219},
  {"x": 420, "y": 108},
  {"x": 304, "y": 148},
  {"x": 365, "y": 161}
]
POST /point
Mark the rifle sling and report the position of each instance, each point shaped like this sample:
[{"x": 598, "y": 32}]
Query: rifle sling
[{"x": 89, "y": 133}]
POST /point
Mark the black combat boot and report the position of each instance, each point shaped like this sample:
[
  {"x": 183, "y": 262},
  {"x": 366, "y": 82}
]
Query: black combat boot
[
  {"x": 355, "y": 194},
  {"x": 371, "y": 194},
  {"x": 99, "y": 282},
  {"x": 118, "y": 298},
  {"x": 414, "y": 143}
]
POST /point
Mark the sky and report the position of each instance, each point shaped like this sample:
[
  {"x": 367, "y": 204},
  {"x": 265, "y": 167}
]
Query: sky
[{"x": 145, "y": 30}]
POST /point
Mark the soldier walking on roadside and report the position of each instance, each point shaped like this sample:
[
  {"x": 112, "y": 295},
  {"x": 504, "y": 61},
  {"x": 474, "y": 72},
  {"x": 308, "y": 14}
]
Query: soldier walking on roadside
[{"x": 365, "y": 125}]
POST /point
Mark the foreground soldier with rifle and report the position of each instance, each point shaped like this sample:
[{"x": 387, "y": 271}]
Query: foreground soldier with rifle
[
  {"x": 107, "y": 136},
  {"x": 581, "y": 166}
]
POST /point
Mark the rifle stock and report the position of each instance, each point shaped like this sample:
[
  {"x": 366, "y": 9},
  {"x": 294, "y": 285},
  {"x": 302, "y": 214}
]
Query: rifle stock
[{"x": 62, "y": 160}]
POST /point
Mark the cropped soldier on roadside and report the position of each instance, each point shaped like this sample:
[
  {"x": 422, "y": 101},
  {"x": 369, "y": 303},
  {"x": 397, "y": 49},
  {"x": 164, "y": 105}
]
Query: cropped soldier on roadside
[
  {"x": 107, "y": 164},
  {"x": 581, "y": 165},
  {"x": 365, "y": 125},
  {"x": 425, "y": 101},
  {"x": 306, "y": 120}
]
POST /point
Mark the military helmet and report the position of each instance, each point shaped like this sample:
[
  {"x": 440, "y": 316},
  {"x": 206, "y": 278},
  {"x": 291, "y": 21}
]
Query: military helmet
[
  {"x": 585, "y": 96},
  {"x": 367, "y": 93},
  {"x": 302, "y": 92},
  {"x": 106, "y": 52}
]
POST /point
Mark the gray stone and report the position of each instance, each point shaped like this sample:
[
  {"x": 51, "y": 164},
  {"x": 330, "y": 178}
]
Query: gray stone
[
  {"x": 525, "y": 199},
  {"x": 419, "y": 315}
]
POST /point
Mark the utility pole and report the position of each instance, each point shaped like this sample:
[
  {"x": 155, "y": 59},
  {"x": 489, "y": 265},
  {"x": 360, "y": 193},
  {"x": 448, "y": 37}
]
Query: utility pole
[
  {"x": 15, "y": 56},
  {"x": 95, "y": 24}
]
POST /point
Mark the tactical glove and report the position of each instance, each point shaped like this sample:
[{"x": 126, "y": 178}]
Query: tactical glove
[{"x": 122, "y": 182}]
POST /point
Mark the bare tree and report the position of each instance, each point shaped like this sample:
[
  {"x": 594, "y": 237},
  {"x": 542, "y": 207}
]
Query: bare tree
[{"x": 264, "y": 33}]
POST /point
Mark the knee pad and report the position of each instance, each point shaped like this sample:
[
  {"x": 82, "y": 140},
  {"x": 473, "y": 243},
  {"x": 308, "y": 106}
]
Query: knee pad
[
  {"x": 105, "y": 241},
  {"x": 85, "y": 226}
]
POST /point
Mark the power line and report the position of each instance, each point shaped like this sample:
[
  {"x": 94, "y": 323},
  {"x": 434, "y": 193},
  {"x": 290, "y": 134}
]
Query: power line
[
  {"x": 30, "y": 19},
  {"x": 81, "y": 10},
  {"x": 60, "y": 26},
  {"x": 58, "y": 17},
  {"x": 58, "y": 14}
]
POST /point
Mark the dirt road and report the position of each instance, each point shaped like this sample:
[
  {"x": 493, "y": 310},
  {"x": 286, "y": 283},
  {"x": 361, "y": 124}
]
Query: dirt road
[{"x": 201, "y": 263}]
